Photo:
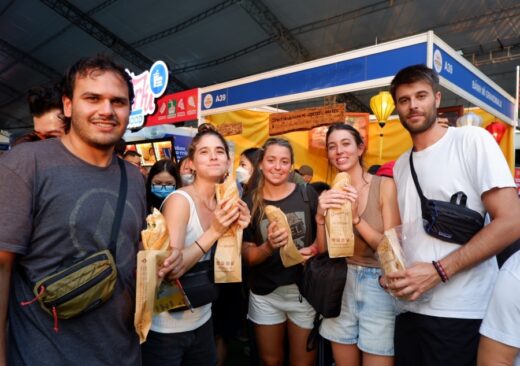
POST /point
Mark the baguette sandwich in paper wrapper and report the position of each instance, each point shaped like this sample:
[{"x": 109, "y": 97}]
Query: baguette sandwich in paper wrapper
[
  {"x": 338, "y": 224},
  {"x": 288, "y": 253},
  {"x": 390, "y": 253},
  {"x": 228, "y": 255},
  {"x": 156, "y": 244}
]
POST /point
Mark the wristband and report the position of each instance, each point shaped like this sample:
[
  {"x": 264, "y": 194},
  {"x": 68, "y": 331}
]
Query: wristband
[
  {"x": 200, "y": 246},
  {"x": 440, "y": 271}
]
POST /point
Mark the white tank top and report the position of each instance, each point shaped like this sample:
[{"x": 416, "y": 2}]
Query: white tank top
[{"x": 184, "y": 321}]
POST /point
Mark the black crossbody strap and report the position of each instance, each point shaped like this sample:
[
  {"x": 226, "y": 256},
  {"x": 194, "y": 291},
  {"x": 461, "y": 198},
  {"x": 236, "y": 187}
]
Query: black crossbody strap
[
  {"x": 424, "y": 200},
  {"x": 123, "y": 185}
]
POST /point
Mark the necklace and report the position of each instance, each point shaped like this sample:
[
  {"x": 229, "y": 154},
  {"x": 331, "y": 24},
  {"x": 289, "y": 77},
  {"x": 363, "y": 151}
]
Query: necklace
[{"x": 205, "y": 204}]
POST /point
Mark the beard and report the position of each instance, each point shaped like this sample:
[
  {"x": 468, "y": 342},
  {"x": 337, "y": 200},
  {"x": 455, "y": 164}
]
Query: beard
[{"x": 416, "y": 128}]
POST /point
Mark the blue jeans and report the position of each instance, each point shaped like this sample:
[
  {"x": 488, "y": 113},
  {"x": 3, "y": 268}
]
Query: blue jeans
[
  {"x": 367, "y": 314},
  {"x": 195, "y": 347}
]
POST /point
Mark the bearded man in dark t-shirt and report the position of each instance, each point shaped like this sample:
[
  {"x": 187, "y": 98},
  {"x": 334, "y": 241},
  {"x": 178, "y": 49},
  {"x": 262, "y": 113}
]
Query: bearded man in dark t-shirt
[{"x": 59, "y": 200}]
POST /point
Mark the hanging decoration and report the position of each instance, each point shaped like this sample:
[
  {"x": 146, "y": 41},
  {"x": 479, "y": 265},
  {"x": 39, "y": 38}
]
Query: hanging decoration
[
  {"x": 469, "y": 119},
  {"x": 382, "y": 106},
  {"x": 497, "y": 130}
]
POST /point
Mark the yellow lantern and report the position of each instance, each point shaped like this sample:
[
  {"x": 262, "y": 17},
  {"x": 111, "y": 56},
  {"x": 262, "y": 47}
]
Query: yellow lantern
[{"x": 382, "y": 106}]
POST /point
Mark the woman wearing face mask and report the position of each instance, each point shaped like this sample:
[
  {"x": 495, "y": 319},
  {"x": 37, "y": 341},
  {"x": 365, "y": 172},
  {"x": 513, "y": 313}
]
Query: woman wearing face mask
[
  {"x": 363, "y": 332},
  {"x": 246, "y": 167},
  {"x": 195, "y": 222},
  {"x": 162, "y": 180},
  {"x": 275, "y": 305},
  {"x": 185, "y": 171}
]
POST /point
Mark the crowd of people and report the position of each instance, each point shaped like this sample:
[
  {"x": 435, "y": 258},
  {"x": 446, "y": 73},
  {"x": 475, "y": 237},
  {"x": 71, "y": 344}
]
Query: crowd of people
[{"x": 60, "y": 192}]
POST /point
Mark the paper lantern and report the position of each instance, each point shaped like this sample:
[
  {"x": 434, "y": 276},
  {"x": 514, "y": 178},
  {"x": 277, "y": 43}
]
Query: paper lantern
[
  {"x": 382, "y": 106},
  {"x": 469, "y": 119},
  {"x": 497, "y": 130}
]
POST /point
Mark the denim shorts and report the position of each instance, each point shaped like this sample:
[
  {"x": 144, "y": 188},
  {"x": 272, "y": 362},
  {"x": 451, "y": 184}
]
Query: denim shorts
[
  {"x": 283, "y": 303},
  {"x": 367, "y": 315}
]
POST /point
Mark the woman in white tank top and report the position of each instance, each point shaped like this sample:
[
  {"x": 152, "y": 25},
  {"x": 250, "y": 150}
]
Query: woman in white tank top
[{"x": 195, "y": 222}]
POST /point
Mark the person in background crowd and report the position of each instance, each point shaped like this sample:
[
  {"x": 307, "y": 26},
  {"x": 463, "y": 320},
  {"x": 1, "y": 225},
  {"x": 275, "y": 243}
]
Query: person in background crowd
[
  {"x": 363, "y": 332},
  {"x": 120, "y": 148},
  {"x": 442, "y": 329},
  {"x": 500, "y": 335},
  {"x": 46, "y": 108},
  {"x": 162, "y": 180},
  {"x": 185, "y": 171},
  {"x": 195, "y": 222},
  {"x": 386, "y": 170},
  {"x": 134, "y": 158},
  {"x": 58, "y": 199},
  {"x": 373, "y": 169},
  {"x": 306, "y": 172},
  {"x": 319, "y": 187},
  {"x": 246, "y": 167},
  {"x": 275, "y": 305}
]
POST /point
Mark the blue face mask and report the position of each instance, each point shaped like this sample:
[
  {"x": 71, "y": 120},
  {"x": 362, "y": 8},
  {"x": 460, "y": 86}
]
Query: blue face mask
[{"x": 161, "y": 191}]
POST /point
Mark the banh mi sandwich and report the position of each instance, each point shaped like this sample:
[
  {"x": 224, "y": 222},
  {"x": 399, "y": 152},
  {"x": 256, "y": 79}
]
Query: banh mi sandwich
[
  {"x": 155, "y": 237},
  {"x": 390, "y": 253},
  {"x": 288, "y": 253}
]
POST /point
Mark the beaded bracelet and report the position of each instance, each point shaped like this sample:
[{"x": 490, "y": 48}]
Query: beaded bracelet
[{"x": 440, "y": 271}]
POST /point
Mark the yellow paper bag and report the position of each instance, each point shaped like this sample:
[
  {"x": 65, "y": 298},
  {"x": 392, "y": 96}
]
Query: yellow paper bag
[
  {"x": 338, "y": 224},
  {"x": 228, "y": 254}
]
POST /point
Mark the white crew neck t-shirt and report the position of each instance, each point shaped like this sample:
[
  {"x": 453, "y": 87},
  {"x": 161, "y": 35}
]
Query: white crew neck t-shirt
[{"x": 465, "y": 159}]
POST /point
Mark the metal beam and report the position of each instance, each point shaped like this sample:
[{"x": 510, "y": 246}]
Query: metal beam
[
  {"x": 363, "y": 11},
  {"x": 28, "y": 60},
  {"x": 276, "y": 30},
  {"x": 92, "y": 11},
  {"x": 181, "y": 26},
  {"x": 106, "y": 37}
]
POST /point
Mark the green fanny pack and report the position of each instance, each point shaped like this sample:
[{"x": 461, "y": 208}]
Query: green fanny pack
[
  {"x": 79, "y": 288},
  {"x": 86, "y": 284}
]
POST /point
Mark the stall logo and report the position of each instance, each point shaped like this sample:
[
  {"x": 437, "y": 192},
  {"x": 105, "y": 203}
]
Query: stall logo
[
  {"x": 208, "y": 101},
  {"x": 148, "y": 86},
  {"x": 437, "y": 61}
]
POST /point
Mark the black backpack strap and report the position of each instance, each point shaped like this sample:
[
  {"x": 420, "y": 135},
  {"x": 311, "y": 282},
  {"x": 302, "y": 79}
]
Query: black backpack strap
[
  {"x": 424, "y": 200},
  {"x": 309, "y": 217},
  {"x": 312, "y": 339},
  {"x": 118, "y": 217}
]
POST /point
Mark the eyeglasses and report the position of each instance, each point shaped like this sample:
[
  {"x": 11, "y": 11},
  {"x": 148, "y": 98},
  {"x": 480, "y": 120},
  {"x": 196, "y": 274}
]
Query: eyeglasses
[{"x": 164, "y": 187}]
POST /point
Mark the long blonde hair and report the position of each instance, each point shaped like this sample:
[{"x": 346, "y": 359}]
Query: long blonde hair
[{"x": 258, "y": 197}]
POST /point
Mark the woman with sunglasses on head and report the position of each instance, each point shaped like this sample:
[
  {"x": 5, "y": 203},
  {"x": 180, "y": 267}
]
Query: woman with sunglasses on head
[
  {"x": 363, "y": 332},
  {"x": 162, "y": 180},
  {"x": 276, "y": 307},
  {"x": 195, "y": 222}
]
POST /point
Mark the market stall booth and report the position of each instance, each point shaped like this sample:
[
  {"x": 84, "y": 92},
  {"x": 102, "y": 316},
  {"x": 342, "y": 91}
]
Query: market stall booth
[{"x": 368, "y": 68}]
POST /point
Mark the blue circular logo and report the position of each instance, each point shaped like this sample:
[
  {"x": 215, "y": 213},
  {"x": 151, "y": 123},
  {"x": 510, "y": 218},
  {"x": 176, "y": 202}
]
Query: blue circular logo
[{"x": 158, "y": 78}]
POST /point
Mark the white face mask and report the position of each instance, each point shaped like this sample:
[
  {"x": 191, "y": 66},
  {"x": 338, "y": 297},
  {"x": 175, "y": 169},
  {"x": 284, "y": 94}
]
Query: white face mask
[
  {"x": 187, "y": 179},
  {"x": 243, "y": 175}
]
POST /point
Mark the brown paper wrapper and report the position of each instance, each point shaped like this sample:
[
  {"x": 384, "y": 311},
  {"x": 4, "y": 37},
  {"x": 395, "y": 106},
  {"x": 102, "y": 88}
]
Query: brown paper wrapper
[
  {"x": 288, "y": 253},
  {"x": 390, "y": 253},
  {"x": 338, "y": 224},
  {"x": 228, "y": 254},
  {"x": 156, "y": 244}
]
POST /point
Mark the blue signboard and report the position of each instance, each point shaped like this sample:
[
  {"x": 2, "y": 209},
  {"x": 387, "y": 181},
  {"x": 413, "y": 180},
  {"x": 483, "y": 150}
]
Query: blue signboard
[
  {"x": 455, "y": 72},
  {"x": 181, "y": 144},
  {"x": 365, "y": 68}
]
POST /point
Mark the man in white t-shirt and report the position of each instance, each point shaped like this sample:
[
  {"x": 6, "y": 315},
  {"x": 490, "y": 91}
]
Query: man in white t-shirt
[
  {"x": 500, "y": 341},
  {"x": 448, "y": 285}
]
